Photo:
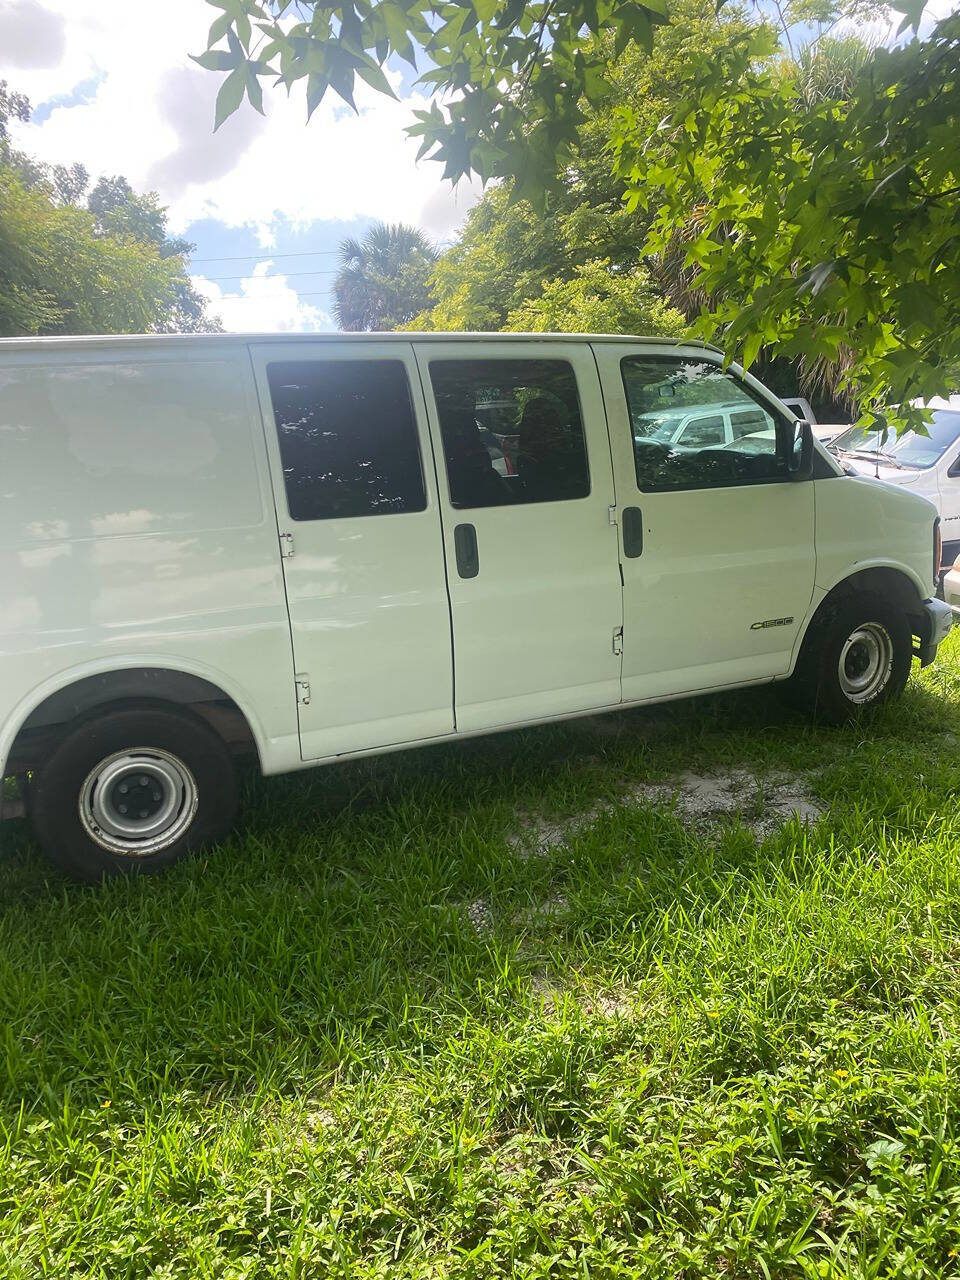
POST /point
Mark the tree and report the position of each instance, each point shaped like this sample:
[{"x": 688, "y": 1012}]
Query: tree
[
  {"x": 518, "y": 72},
  {"x": 77, "y": 263},
  {"x": 509, "y": 251},
  {"x": 57, "y": 275},
  {"x": 845, "y": 215},
  {"x": 382, "y": 281},
  {"x": 805, "y": 212},
  {"x": 598, "y": 300},
  {"x": 121, "y": 211}
]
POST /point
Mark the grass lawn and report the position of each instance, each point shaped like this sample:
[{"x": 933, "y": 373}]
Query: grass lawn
[{"x": 375, "y": 1034}]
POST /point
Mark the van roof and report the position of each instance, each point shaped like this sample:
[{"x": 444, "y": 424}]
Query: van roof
[{"x": 172, "y": 341}]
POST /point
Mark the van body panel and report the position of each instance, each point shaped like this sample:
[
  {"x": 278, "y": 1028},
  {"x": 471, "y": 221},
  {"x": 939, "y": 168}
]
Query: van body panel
[
  {"x": 275, "y": 754},
  {"x": 534, "y": 629},
  {"x": 856, "y": 515},
  {"x": 367, "y": 594},
  {"x": 137, "y": 525},
  {"x": 726, "y": 574}
]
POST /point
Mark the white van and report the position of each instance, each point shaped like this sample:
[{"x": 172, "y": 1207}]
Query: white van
[
  {"x": 302, "y": 546},
  {"x": 929, "y": 465}
]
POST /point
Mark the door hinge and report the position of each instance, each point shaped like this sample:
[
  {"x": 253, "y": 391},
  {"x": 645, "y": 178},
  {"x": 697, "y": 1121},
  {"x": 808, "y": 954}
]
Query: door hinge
[
  {"x": 612, "y": 514},
  {"x": 286, "y": 545},
  {"x": 303, "y": 690},
  {"x": 618, "y": 640}
]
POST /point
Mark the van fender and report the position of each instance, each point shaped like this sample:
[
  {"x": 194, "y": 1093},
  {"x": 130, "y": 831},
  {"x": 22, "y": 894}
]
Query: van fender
[
  {"x": 30, "y": 702},
  {"x": 824, "y": 590}
]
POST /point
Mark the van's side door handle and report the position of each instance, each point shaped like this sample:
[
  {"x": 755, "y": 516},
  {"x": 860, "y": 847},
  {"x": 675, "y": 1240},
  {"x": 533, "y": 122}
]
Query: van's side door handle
[
  {"x": 465, "y": 545},
  {"x": 631, "y": 523}
]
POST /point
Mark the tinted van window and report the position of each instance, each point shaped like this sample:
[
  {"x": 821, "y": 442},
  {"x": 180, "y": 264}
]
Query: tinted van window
[
  {"x": 348, "y": 438},
  {"x": 512, "y": 431},
  {"x": 662, "y": 392}
]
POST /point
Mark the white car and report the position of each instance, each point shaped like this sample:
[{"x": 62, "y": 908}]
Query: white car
[
  {"x": 710, "y": 426},
  {"x": 305, "y": 547},
  {"x": 823, "y": 431},
  {"x": 927, "y": 465}
]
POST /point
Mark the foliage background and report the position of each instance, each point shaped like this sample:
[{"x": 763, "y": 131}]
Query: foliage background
[{"x": 82, "y": 259}]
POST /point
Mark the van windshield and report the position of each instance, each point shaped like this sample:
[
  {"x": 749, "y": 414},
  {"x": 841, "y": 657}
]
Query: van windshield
[{"x": 911, "y": 450}]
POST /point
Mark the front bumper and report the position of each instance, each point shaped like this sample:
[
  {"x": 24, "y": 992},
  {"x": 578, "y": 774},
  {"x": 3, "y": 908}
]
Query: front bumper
[{"x": 938, "y": 619}]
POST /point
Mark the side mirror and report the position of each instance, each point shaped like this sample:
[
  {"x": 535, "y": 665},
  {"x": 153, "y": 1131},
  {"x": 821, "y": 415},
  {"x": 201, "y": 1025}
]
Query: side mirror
[{"x": 795, "y": 446}]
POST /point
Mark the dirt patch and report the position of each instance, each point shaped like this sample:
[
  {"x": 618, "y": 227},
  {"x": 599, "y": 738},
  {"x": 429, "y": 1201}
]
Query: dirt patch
[
  {"x": 480, "y": 916},
  {"x": 540, "y": 835},
  {"x": 763, "y": 804},
  {"x": 609, "y": 1004},
  {"x": 615, "y": 1003}
]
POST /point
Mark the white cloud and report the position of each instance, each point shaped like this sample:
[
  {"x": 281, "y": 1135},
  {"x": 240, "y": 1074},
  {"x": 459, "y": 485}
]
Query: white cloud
[
  {"x": 263, "y": 303},
  {"x": 31, "y": 36},
  {"x": 151, "y": 118}
]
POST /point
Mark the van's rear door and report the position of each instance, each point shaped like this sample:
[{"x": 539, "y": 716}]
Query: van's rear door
[{"x": 359, "y": 527}]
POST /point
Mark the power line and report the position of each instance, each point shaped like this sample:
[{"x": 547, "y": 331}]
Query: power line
[
  {"x": 264, "y": 297},
  {"x": 287, "y": 275},
  {"x": 263, "y": 256}
]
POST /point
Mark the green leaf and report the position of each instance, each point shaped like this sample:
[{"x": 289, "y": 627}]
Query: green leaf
[
  {"x": 317, "y": 86},
  {"x": 253, "y": 88},
  {"x": 884, "y": 1149},
  {"x": 912, "y": 11},
  {"x": 229, "y": 97},
  {"x": 751, "y": 349},
  {"x": 218, "y": 29},
  {"x": 373, "y": 75},
  {"x": 215, "y": 60}
]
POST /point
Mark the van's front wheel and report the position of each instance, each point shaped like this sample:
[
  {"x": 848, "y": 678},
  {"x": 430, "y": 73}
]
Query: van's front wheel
[
  {"x": 133, "y": 790},
  {"x": 856, "y": 658}
]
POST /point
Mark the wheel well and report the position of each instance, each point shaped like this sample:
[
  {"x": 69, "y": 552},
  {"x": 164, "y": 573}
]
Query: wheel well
[
  {"x": 152, "y": 684},
  {"x": 890, "y": 584}
]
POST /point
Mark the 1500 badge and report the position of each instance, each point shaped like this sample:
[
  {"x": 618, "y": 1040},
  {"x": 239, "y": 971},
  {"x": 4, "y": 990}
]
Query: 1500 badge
[{"x": 770, "y": 622}]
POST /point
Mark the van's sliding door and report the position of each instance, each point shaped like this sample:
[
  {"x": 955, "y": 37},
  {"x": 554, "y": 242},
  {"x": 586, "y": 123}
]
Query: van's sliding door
[
  {"x": 359, "y": 527},
  {"x": 527, "y": 491}
]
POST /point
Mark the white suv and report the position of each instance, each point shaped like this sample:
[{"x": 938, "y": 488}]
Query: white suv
[{"x": 710, "y": 426}]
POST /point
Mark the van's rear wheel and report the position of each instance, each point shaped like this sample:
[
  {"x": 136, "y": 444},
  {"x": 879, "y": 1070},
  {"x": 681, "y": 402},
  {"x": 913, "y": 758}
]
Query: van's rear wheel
[
  {"x": 856, "y": 658},
  {"x": 132, "y": 790}
]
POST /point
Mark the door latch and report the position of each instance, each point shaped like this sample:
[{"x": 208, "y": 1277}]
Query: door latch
[
  {"x": 286, "y": 546},
  {"x": 303, "y": 690},
  {"x": 618, "y": 640}
]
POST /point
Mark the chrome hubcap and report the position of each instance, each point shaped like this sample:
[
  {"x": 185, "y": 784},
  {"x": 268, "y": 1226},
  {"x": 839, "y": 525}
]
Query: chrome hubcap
[
  {"x": 866, "y": 661},
  {"x": 138, "y": 802}
]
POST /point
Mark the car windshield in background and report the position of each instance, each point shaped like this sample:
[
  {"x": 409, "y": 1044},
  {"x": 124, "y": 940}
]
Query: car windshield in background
[{"x": 910, "y": 450}]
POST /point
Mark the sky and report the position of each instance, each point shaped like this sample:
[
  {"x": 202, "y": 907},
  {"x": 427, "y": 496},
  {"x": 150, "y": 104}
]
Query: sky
[{"x": 266, "y": 201}]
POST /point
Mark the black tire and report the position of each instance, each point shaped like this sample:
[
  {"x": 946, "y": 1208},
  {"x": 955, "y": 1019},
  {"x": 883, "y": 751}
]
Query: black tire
[
  {"x": 75, "y": 793},
  {"x": 861, "y": 635}
]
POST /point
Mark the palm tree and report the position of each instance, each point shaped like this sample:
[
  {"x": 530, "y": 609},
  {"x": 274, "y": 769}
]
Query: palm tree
[{"x": 383, "y": 279}]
